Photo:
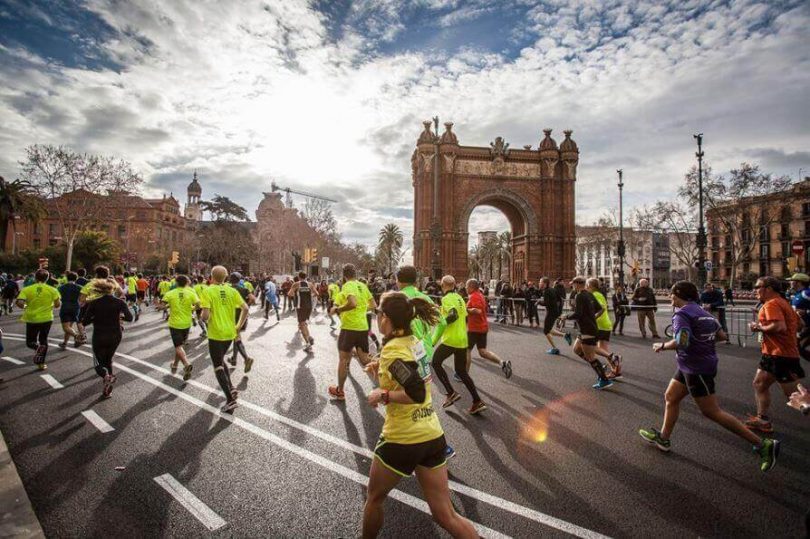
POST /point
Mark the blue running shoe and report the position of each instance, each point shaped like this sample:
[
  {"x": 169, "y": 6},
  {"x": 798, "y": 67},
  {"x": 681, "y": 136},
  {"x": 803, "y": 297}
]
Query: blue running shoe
[
  {"x": 449, "y": 452},
  {"x": 553, "y": 351},
  {"x": 602, "y": 383}
]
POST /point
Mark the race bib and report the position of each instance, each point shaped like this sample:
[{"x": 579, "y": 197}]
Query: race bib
[{"x": 422, "y": 360}]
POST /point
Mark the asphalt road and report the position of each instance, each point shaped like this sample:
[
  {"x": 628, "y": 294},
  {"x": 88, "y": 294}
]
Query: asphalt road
[{"x": 551, "y": 457}]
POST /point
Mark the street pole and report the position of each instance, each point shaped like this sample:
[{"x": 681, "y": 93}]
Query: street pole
[
  {"x": 701, "y": 235},
  {"x": 621, "y": 232},
  {"x": 435, "y": 229}
]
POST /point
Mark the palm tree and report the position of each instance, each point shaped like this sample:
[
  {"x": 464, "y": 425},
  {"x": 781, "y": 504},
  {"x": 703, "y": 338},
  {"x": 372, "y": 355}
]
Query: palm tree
[
  {"x": 390, "y": 242},
  {"x": 17, "y": 200},
  {"x": 504, "y": 247},
  {"x": 475, "y": 261}
]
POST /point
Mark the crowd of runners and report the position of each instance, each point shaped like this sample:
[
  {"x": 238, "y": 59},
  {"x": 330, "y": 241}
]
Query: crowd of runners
[{"x": 422, "y": 324}]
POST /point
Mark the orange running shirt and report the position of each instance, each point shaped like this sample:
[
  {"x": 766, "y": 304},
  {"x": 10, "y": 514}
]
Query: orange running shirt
[{"x": 783, "y": 343}]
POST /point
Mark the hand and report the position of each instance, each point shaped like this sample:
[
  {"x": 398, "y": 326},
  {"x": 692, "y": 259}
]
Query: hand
[
  {"x": 375, "y": 397},
  {"x": 753, "y": 326},
  {"x": 333, "y": 311},
  {"x": 657, "y": 347},
  {"x": 372, "y": 367},
  {"x": 799, "y": 397}
]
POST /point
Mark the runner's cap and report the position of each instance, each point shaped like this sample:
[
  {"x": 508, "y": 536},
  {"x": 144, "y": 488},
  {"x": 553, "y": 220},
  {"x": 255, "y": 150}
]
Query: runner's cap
[{"x": 802, "y": 277}]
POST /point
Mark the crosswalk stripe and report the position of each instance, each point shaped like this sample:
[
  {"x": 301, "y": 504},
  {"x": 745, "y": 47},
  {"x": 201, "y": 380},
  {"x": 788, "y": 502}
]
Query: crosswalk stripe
[
  {"x": 14, "y": 361},
  {"x": 193, "y": 504},
  {"x": 97, "y": 421},
  {"x": 53, "y": 382}
]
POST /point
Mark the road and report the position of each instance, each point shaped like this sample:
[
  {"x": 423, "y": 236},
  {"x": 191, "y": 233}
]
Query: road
[{"x": 551, "y": 457}]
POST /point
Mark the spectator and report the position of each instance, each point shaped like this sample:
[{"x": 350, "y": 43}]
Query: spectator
[
  {"x": 729, "y": 295},
  {"x": 711, "y": 300},
  {"x": 621, "y": 308},
  {"x": 644, "y": 301}
]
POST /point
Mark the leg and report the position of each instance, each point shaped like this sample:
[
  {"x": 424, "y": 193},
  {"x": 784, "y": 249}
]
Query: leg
[
  {"x": 489, "y": 356},
  {"x": 641, "y": 326},
  {"x": 344, "y": 358},
  {"x": 31, "y": 332},
  {"x": 217, "y": 350},
  {"x": 439, "y": 355},
  {"x": 651, "y": 318},
  {"x": 304, "y": 329},
  {"x": 788, "y": 388},
  {"x": 710, "y": 408},
  {"x": 762, "y": 384},
  {"x": 433, "y": 482},
  {"x": 460, "y": 364},
  {"x": 180, "y": 355},
  {"x": 672, "y": 408},
  {"x": 381, "y": 481}
]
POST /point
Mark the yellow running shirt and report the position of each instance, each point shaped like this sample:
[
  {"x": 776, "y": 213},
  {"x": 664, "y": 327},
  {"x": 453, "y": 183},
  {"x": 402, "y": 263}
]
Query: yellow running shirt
[
  {"x": 132, "y": 285},
  {"x": 603, "y": 322},
  {"x": 163, "y": 287},
  {"x": 222, "y": 301},
  {"x": 355, "y": 319},
  {"x": 455, "y": 334},
  {"x": 39, "y": 299},
  {"x": 200, "y": 289},
  {"x": 333, "y": 290},
  {"x": 181, "y": 301},
  {"x": 406, "y": 423}
]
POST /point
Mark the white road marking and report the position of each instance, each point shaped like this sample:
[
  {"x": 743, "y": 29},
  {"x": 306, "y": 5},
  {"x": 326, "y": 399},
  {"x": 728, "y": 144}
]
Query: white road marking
[
  {"x": 517, "y": 509},
  {"x": 53, "y": 382},
  {"x": 14, "y": 361},
  {"x": 97, "y": 422},
  {"x": 193, "y": 504}
]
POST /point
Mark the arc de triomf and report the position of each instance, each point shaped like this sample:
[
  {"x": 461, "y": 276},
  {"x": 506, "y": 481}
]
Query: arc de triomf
[{"x": 533, "y": 188}]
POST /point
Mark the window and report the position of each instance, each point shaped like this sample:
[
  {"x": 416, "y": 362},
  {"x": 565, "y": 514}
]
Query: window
[
  {"x": 37, "y": 229},
  {"x": 764, "y": 233},
  {"x": 122, "y": 231},
  {"x": 52, "y": 230},
  {"x": 105, "y": 229},
  {"x": 805, "y": 209},
  {"x": 37, "y": 244},
  {"x": 785, "y": 249},
  {"x": 784, "y": 231},
  {"x": 52, "y": 242},
  {"x": 763, "y": 268},
  {"x": 765, "y": 251}
]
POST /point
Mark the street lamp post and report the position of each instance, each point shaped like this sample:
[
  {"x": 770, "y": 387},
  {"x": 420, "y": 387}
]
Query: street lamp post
[
  {"x": 620, "y": 247},
  {"x": 435, "y": 229},
  {"x": 701, "y": 234}
]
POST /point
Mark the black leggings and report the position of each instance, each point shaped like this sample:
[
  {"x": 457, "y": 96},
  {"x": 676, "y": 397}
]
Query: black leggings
[
  {"x": 218, "y": 349},
  {"x": 37, "y": 334},
  {"x": 269, "y": 305},
  {"x": 619, "y": 323},
  {"x": 104, "y": 347},
  {"x": 534, "y": 316},
  {"x": 460, "y": 364}
]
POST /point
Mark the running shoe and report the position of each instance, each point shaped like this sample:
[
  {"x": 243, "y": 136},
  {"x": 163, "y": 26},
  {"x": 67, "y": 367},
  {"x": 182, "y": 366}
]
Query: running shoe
[
  {"x": 42, "y": 366},
  {"x": 107, "y": 386},
  {"x": 234, "y": 394},
  {"x": 451, "y": 398},
  {"x": 755, "y": 422},
  {"x": 602, "y": 383},
  {"x": 337, "y": 394},
  {"x": 137, "y": 316},
  {"x": 456, "y": 377},
  {"x": 768, "y": 450},
  {"x": 568, "y": 338},
  {"x": 230, "y": 406},
  {"x": 653, "y": 436},
  {"x": 187, "y": 372},
  {"x": 81, "y": 339},
  {"x": 477, "y": 408},
  {"x": 553, "y": 351},
  {"x": 616, "y": 366},
  {"x": 506, "y": 367},
  {"x": 232, "y": 361},
  {"x": 312, "y": 340},
  {"x": 62, "y": 345},
  {"x": 449, "y": 452},
  {"x": 174, "y": 369},
  {"x": 39, "y": 355},
  {"x": 248, "y": 364}
]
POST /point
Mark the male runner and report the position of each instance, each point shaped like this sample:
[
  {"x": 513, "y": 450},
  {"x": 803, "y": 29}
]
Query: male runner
[
  {"x": 249, "y": 299},
  {"x": 141, "y": 286},
  {"x": 131, "y": 284},
  {"x": 551, "y": 300},
  {"x": 780, "y": 363},
  {"x": 10, "y": 291},
  {"x": 271, "y": 299},
  {"x": 199, "y": 288},
  {"x": 454, "y": 343},
  {"x": 69, "y": 311},
  {"x": 333, "y": 290},
  {"x": 586, "y": 310},
  {"x": 163, "y": 286},
  {"x": 219, "y": 303},
  {"x": 181, "y": 302},
  {"x": 303, "y": 294},
  {"x": 38, "y": 301},
  {"x": 478, "y": 327},
  {"x": 351, "y": 304},
  {"x": 604, "y": 326}
]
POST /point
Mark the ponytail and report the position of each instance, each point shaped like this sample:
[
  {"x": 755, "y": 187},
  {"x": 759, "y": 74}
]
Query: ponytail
[{"x": 401, "y": 311}]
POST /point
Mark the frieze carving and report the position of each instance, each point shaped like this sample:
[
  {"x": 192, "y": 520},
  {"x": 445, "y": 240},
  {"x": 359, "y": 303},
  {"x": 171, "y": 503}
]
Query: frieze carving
[
  {"x": 570, "y": 172},
  {"x": 484, "y": 168},
  {"x": 449, "y": 160},
  {"x": 549, "y": 165}
]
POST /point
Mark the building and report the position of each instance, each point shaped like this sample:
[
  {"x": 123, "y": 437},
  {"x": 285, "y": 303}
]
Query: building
[
  {"x": 485, "y": 236},
  {"x": 193, "y": 210},
  {"x": 760, "y": 242}
]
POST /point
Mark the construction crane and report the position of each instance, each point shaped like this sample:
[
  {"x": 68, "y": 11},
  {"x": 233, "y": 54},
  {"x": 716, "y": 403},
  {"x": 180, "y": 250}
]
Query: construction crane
[{"x": 289, "y": 192}]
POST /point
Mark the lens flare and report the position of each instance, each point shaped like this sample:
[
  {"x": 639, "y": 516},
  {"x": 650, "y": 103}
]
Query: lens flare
[{"x": 536, "y": 428}]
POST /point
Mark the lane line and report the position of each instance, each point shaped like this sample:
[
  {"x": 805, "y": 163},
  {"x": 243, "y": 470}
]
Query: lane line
[
  {"x": 192, "y": 503},
  {"x": 14, "y": 361},
  {"x": 97, "y": 421},
  {"x": 53, "y": 382},
  {"x": 490, "y": 499}
]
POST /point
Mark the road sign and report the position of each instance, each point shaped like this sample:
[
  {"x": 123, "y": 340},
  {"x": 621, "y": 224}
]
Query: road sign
[
  {"x": 708, "y": 265},
  {"x": 325, "y": 262},
  {"x": 797, "y": 247}
]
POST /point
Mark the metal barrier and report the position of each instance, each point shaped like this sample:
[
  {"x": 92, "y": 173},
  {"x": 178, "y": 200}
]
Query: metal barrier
[{"x": 737, "y": 320}]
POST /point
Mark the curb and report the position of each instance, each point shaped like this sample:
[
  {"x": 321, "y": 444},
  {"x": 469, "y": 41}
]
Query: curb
[{"x": 17, "y": 517}]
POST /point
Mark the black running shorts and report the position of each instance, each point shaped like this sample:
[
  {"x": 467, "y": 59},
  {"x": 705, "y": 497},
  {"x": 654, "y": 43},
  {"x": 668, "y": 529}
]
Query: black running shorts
[
  {"x": 784, "y": 369},
  {"x": 131, "y": 297},
  {"x": 588, "y": 341},
  {"x": 548, "y": 323},
  {"x": 476, "y": 339},
  {"x": 236, "y": 320},
  {"x": 67, "y": 316},
  {"x": 303, "y": 314},
  {"x": 141, "y": 294},
  {"x": 179, "y": 336},
  {"x": 349, "y": 339},
  {"x": 698, "y": 385},
  {"x": 603, "y": 335},
  {"x": 403, "y": 459}
]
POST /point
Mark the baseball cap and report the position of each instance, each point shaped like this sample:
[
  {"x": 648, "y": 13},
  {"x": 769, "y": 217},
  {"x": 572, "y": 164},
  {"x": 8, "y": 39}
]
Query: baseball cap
[{"x": 803, "y": 277}]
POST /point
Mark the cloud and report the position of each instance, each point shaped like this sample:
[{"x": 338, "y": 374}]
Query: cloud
[{"x": 329, "y": 97}]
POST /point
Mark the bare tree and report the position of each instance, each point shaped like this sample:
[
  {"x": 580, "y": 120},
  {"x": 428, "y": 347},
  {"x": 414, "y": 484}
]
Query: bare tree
[
  {"x": 79, "y": 189},
  {"x": 736, "y": 202},
  {"x": 679, "y": 222},
  {"x": 318, "y": 215}
]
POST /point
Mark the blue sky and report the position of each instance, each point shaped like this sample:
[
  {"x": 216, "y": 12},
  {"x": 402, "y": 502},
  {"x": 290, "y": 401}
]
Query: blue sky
[{"x": 329, "y": 96}]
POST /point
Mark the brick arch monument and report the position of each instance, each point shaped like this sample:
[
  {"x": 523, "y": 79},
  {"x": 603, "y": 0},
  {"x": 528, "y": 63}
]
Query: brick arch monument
[{"x": 533, "y": 188}]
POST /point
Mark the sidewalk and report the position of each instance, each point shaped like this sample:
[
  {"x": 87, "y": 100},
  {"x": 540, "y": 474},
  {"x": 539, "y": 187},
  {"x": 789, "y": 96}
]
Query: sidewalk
[{"x": 17, "y": 518}]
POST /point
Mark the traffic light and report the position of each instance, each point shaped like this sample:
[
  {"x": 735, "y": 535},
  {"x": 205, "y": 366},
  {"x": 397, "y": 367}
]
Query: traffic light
[
  {"x": 313, "y": 256},
  {"x": 175, "y": 258}
]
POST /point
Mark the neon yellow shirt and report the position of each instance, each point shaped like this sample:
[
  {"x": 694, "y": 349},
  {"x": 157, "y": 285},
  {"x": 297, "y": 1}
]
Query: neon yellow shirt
[
  {"x": 248, "y": 285},
  {"x": 39, "y": 299},
  {"x": 333, "y": 290},
  {"x": 406, "y": 423},
  {"x": 455, "y": 334},
  {"x": 164, "y": 286},
  {"x": 603, "y": 322},
  {"x": 355, "y": 319},
  {"x": 132, "y": 285},
  {"x": 181, "y": 301},
  {"x": 421, "y": 331},
  {"x": 222, "y": 301},
  {"x": 200, "y": 289}
]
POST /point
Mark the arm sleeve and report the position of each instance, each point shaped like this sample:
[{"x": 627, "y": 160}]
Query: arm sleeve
[
  {"x": 89, "y": 314},
  {"x": 407, "y": 375}
]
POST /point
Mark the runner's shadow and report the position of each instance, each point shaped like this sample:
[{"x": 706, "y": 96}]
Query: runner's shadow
[{"x": 306, "y": 404}]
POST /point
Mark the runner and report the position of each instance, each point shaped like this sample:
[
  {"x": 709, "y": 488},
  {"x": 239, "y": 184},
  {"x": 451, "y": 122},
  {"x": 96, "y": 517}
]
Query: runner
[
  {"x": 371, "y": 334},
  {"x": 351, "y": 303},
  {"x": 163, "y": 286},
  {"x": 131, "y": 287},
  {"x": 271, "y": 299},
  {"x": 453, "y": 335},
  {"x": 302, "y": 292},
  {"x": 778, "y": 324},
  {"x": 333, "y": 290},
  {"x": 478, "y": 327},
  {"x": 249, "y": 299},
  {"x": 586, "y": 310},
  {"x": 141, "y": 286},
  {"x": 69, "y": 311},
  {"x": 695, "y": 333},
  {"x": 38, "y": 302},
  {"x": 604, "y": 326},
  {"x": 105, "y": 313},
  {"x": 412, "y": 440},
  {"x": 88, "y": 294},
  {"x": 199, "y": 288},
  {"x": 181, "y": 302},
  {"x": 219, "y": 303},
  {"x": 10, "y": 291},
  {"x": 550, "y": 299}
]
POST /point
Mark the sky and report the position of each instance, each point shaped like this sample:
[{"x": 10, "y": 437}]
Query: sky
[{"x": 329, "y": 96}]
